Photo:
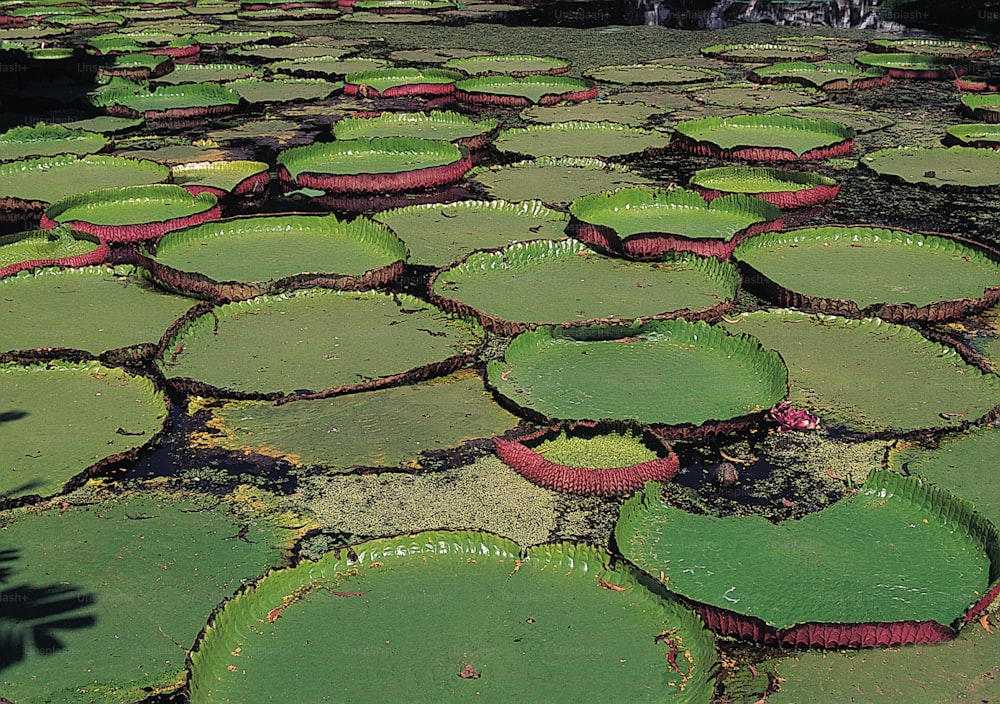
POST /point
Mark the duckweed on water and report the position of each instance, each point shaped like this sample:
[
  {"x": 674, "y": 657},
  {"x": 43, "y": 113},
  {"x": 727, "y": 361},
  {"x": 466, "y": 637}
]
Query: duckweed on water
[{"x": 601, "y": 452}]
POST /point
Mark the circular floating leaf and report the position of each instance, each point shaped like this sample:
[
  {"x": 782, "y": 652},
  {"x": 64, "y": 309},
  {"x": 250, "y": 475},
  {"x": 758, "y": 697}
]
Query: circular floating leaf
[
  {"x": 580, "y": 139},
  {"x": 246, "y": 257},
  {"x": 166, "y": 102},
  {"x": 374, "y": 165},
  {"x": 391, "y": 18},
  {"x": 985, "y": 108},
  {"x": 294, "y": 51},
  {"x": 949, "y": 49},
  {"x": 327, "y": 66},
  {"x": 391, "y": 427},
  {"x": 634, "y": 114},
  {"x": 564, "y": 283},
  {"x": 105, "y": 124},
  {"x": 656, "y": 373},
  {"x": 442, "y": 125},
  {"x": 394, "y": 82},
  {"x": 508, "y": 65},
  {"x": 869, "y": 375},
  {"x": 385, "y": 7},
  {"x": 644, "y": 223},
  {"x": 920, "y": 66},
  {"x": 430, "y": 55},
  {"x": 438, "y": 234},
  {"x": 764, "y": 138},
  {"x": 222, "y": 177},
  {"x": 825, "y": 76},
  {"x": 62, "y": 246},
  {"x": 787, "y": 583},
  {"x": 315, "y": 340},
  {"x": 114, "y": 585},
  {"x": 65, "y": 421},
  {"x": 754, "y": 97},
  {"x": 763, "y": 53},
  {"x": 954, "y": 168},
  {"x": 283, "y": 90},
  {"x": 132, "y": 213},
  {"x": 207, "y": 73},
  {"x": 541, "y": 90},
  {"x": 783, "y": 188},
  {"x": 652, "y": 74},
  {"x": 532, "y": 610},
  {"x": 137, "y": 67},
  {"x": 874, "y": 272},
  {"x": 980, "y": 136},
  {"x": 48, "y": 140},
  {"x": 96, "y": 309},
  {"x": 860, "y": 121},
  {"x": 244, "y": 38},
  {"x": 556, "y": 182}
]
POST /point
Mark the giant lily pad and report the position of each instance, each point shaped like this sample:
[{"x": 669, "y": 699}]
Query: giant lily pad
[
  {"x": 782, "y": 187},
  {"x": 871, "y": 272},
  {"x": 826, "y": 76},
  {"x": 247, "y": 257},
  {"x": 95, "y": 308},
  {"x": 374, "y": 165},
  {"x": 860, "y": 121},
  {"x": 556, "y": 181},
  {"x": 62, "y": 246},
  {"x": 755, "y": 97},
  {"x": 166, "y": 102},
  {"x": 280, "y": 90},
  {"x": 655, "y": 373},
  {"x": 387, "y": 7},
  {"x": 314, "y": 341},
  {"x": 530, "y": 90},
  {"x": 652, "y": 74},
  {"x": 221, "y": 178},
  {"x": 528, "y": 614},
  {"x": 517, "y": 66},
  {"x": 949, "y": 49},
  {"x": 985, "y": 108},
  {"x": 36, "y": 182},
  {"x": 953, "y": 168},
  {"x": 48, "y": 140},
  {"x": 915, "y": 66},
  {"x": 563, "y": 282},
  {"x": 981, "y": 136},
  {"x": 113, "y": 588},
  {"x": 580, "y": 139},
  {"x": 644, "y": 223},
  {"x": 871, "y": 376},
  {"x": 327, "y": 66},
  {"x": 634, "y": 114},
  {"x": 436, "y": 124},
  {"x": 66, "y": 420},
  {"x": 786, "y": 584},
  {"x": 439, "y": 234},
  {"x": 764, "y": 138},
  {"x": 132, "y": 213},
  {"x": 393, "y": 82},
  {"x": 764, "y": 53},
  {"x": 206, "y": 73},
  {"x": 391, "y": 427}
]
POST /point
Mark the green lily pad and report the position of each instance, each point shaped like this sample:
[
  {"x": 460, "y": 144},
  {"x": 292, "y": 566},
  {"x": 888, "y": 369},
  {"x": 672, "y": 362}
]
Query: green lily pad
[
  {"x": 508, "y": 64},
  {"x": 401, "y": 81},
  {"x": 985, "y": 108},
  {"x": 868, "y": 375},
  {"x": 50, "y": 179},
  {"x": 111, "y": 629},
  {"x": 921, "y": 66},
  {"x": 239, "y": 177},
  {"x": 283, "y": 90},
  {"x": 764, "y": 137},
  {"x": 62, "y": 246},
  {"x": 755, "y": 98},
  {"x": 137, "y": 66},
  {"x": 403, "y": 6},
  {"x": 633, "y": 115},
  {"x": 563, "y": 282},
  {"x": 105, "y": 124},
  {"x": 931, "y": 564},
  {"x": 949, "y": 49},
  {"x": 534, "y": 610},
  {"x": 529, "y": 90},
  {"x": 764, "y": 53},
  {"x": 579, "y": 139},
  {"x": 867, "y": 271},
  {"x": 591, "y": 374},
  {"x": 95, "y": 308},
  {"x": 62, "y": 419},
  {"x": 439, "y": 234},
  {"x": 327, "y": 66},
  {"x": 783, "y": 187},
  {"x": 436, "y": 124},
  {"x": 315, "y": 339},
  {"x": 383, "y": 428},
  {"x": 980, "y": 136},
  {"x": 827, "y": 76},
  {"x": 247, "y": 257},
  {"x": 643, "y": 74},
  {"x": 556, "y": 181},
  {"x": 207, "y": 73},
  {"x": 192, "y": 100},
  {"x": 861, "y": 121},
  {"x": 294, "y": 51},
  {"x": 391, "y": 18},
  {"x": 48, "y": 140},
  {"x": 244, "y": 38},
  {"x": 953, "y": 168}
]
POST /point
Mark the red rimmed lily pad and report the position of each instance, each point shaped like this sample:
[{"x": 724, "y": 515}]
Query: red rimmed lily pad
[
  {"x": 278, "y": 89},
  {"x": 513, "y": 65},
  {"x": 952, "y": 168},
  {"x": 930, "y": 565},
  {"x": 859, "y": 271},
  {"x": 653, "y": 374},
  {"x": 242, "y": 258},
  {"x": 137, "y": 67},
  {"x": 784, "y": 188},
  {"x": 981, "y": 136},
  {"x": 591, "y": 461},
  {"x": 521, "y": 92},
  {"x": 166, "y": 102},
  {"x": 393, "y": 7},
  {"x": 607, "y": 140},
  {"x": 327, "y": 66},
  {"x": 645, "y": 223},
  {"x": 949, "y": 49},
  {"x": 982, "y": 107},
  {"x": 61, "y": 246},
  {"x": 764, "y": 138},
  {"x": 132, "y": 213},
  {"x": 374, "y": 165},
  {"x": 915, "y": 66},
  {"x": 825, "y": 76},
  {"x": 48, "y": 140},
  {"x": 313, "y": 343},
  {"x": 976, "y": 84},
  {"x": 436, "y": 124},
  {"x": 764, "y": 53},
  {"x": 396, "y": 82},
  {"x": 222, "y": 178},
  {"x": 563, "y": 282}
]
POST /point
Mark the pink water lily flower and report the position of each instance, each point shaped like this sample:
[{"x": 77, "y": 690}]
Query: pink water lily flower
[{"x": 788, "y": 418}]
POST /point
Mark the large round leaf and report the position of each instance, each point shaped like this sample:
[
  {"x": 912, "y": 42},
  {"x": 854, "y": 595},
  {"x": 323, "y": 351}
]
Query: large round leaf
[
  {"x": 579, "y": 139},
  {"x": 46, "y": 140},
  {"x": 560, "y": 623},
  {"x": 62, "y": 246},
  {"x": 49, "y": 179},
  {"x": 954, "y": 168},
  {"x": 764, "y": 137}
]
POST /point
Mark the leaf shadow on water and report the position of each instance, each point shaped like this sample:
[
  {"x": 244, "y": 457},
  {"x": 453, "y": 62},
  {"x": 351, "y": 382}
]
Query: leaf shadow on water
[
  {"x": 31, "y": 617},
  {"x": 8, "y": 416}
]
